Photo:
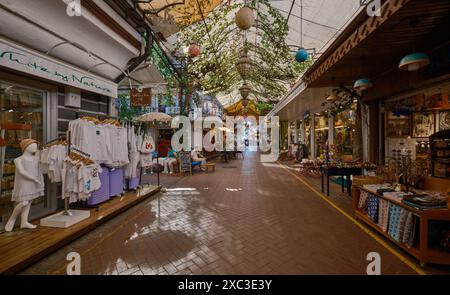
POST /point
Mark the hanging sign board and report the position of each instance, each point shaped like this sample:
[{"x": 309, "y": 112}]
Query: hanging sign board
[
  {"x": 185, "y": 162},
  {"x": 25, "y": 60},
  {"x": 141, "y": 97}
]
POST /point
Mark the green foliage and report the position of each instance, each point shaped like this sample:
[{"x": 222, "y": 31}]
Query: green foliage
[
  {"x": 221, "y": 43},
  {"x": 264, "y": 107},
  {"x": 126, "y": 111}
]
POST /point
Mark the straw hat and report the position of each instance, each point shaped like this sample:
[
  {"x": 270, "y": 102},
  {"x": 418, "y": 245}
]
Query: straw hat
[{"x": 26, "y": 142}]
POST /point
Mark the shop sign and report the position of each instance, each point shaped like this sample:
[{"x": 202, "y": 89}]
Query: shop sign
[
  {"x": 24, "y": 60},
  {"x": 141, "y": 97}
]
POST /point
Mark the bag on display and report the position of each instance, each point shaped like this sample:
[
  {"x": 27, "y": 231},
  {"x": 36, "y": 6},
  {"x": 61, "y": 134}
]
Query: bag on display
[{"x": 148, "y": 145}]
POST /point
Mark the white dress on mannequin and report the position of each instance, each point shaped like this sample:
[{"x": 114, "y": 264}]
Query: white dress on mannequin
[{"x": 24, "y": 188}]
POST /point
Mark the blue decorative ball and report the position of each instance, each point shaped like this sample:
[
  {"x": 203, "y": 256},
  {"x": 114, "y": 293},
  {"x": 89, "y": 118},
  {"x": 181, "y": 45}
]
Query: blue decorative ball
[{"x": 301, "y": 55}]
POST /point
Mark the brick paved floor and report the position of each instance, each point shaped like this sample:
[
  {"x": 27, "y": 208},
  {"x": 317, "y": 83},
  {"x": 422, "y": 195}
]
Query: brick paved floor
[{"x": 246, "y": 218}]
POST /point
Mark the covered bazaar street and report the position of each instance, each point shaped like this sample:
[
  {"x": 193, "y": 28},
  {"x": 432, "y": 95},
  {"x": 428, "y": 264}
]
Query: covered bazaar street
[{"x": 248, "y": 217}]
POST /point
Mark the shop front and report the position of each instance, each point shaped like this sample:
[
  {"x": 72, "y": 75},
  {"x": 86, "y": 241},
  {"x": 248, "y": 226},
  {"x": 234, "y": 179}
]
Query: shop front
[{"x": 37, "y": 100}]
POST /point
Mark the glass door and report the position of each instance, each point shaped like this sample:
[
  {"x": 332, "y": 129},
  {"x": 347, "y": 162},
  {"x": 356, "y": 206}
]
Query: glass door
[{"x": 22, "y": 115}]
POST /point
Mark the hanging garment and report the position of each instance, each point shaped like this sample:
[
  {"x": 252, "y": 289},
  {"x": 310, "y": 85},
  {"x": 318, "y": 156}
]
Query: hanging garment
[
  {"x": 383, "y": 214},
  {"x": 133, "y": 154},
  {"x": 372, "y": 208},
  {"x": 79, "y": 180},
  {"x": 43, "y": 160},
  {"x": 56, "y": 157}
]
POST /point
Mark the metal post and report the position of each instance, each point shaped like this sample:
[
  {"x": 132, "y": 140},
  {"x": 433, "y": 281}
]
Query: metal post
[
  {"x": 66, "y": 200},
  {"x": 157, "y": 168}
]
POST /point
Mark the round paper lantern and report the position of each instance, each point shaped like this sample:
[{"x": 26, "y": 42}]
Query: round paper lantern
[
  {"x": 414, "y": 62},
  {"x": 363, "y": 84},
  {"x": 194, "y": 50},
  {"x": 301, "y": 55},
  {"x": 244, "y": 18}
]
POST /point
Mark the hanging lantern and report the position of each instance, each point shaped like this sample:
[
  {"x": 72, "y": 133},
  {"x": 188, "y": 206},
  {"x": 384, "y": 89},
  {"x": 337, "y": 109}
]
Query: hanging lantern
[
  {"x": 301, "y": 55},
  {"x": 363, "y": 84},
  {"x": 194, "y": 50},
  {"x": 414, "y": 62},
  {"x": 244, "y": 18},
  {"x": 245, "y": 90},
  {"x": 244, "y": 66},
  {"x": 245, "y": 102}
]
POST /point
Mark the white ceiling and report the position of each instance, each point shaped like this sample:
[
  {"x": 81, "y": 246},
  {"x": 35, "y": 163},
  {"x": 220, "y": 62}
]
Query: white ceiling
[{"x": 43, "y": 24}]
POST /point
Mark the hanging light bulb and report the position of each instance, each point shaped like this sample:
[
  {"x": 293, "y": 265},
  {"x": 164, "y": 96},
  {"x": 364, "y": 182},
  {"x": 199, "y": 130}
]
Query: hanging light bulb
[
  {"x": 244, "y": 18},
  {"x": 363, "y": 84},
  {"x": 301, "y": 55},
  {"x": 414, "y": 62}
]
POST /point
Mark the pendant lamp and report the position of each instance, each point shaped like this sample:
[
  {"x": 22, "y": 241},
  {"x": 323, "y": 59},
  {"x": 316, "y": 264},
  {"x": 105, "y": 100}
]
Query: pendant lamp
[
  {"x": 244, "y": 65},
  {"x": 301, "y": 55},
  {"x": 244, "y": 18},
  {"x": 414, "y": 62},
  {"x": 245, "y": 90},
  {"x": 363, "y": 84},
  {"x": 194, "y": 50}
]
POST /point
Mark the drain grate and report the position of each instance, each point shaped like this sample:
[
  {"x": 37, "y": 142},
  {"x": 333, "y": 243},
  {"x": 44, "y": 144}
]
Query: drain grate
[{"x": 229, "y": 166}]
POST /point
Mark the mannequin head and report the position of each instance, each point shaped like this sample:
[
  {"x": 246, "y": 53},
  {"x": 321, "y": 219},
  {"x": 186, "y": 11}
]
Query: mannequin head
[
  {"x": 32, "y": 148},
  {"x": 29, "y": 146}
]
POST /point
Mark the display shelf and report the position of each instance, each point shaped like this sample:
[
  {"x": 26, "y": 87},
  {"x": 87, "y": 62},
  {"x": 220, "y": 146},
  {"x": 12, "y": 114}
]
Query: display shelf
[
  {"x": 422, "y": 251},
  {"x": 414, "y": 251}
]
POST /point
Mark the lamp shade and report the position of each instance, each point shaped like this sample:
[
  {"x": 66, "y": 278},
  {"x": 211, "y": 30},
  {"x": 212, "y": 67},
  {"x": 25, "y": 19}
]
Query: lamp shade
[
  {"x": 194, "y": 50},
  {"x": 363, "y": 84},
  {"x": 301, "y": 55},
  {"x": 244, "y": 66},
  {"x": 244, "y": 18},
  {"x": 245, "y": 91},
  {"x": 415, "y": 61}
]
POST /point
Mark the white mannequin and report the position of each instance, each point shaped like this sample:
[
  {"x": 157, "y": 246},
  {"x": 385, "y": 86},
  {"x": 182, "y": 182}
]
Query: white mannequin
[{"x": 23, "y": 207}]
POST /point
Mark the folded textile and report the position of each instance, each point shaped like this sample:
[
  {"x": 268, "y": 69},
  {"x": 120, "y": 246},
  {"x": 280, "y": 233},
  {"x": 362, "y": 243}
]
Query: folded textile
[
  {"x": 383, "y": 215},
  {"x": 372, "y": 208}
]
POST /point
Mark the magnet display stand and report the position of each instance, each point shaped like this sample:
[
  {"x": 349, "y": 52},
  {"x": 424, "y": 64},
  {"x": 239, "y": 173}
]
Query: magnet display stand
[{"x": 61, "y": 220}]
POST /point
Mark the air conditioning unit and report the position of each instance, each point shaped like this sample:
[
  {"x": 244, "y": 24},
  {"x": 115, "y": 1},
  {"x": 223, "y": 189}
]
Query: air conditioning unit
[{"x": 73, "y": 98}]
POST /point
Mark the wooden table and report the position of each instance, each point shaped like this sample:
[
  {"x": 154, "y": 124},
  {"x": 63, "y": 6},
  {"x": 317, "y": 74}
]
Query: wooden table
[
  {"x": 339, "y": 171},
  {"x": 422, "y": 251}
]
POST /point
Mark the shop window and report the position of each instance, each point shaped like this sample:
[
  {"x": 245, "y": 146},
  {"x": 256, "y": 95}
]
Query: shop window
[
  {"x": 321, "y": 130},
  {"x": 308, "y": 135},
  {"x": 23, "y": 107},
  {"x": 344, "y": 130}
]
